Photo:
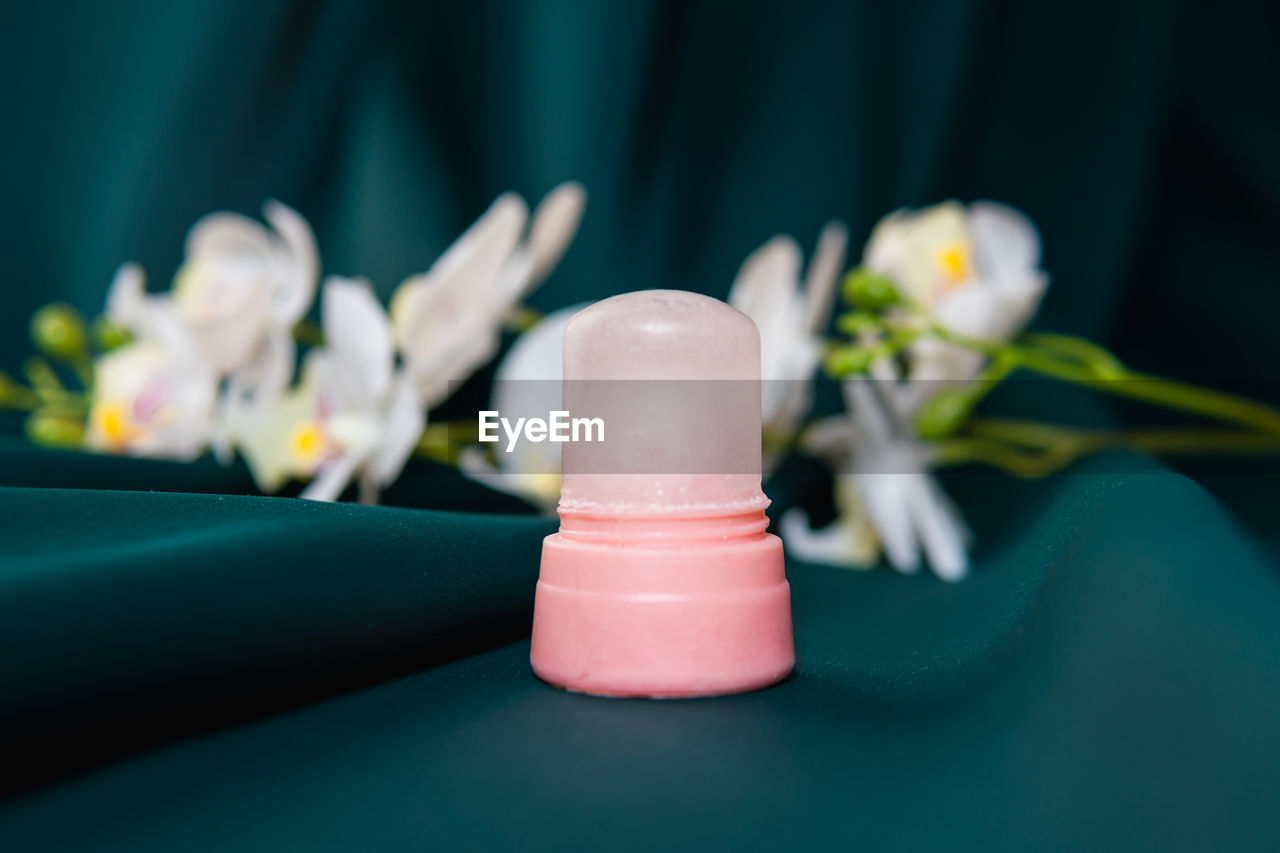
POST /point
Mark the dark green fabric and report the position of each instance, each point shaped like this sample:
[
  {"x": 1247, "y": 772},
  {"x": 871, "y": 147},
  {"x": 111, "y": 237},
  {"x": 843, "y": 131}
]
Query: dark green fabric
[
  {"x": 1108, "y": 679},
  {"x": 168, "y": 626},
  {"x": 172, "y": 661}
]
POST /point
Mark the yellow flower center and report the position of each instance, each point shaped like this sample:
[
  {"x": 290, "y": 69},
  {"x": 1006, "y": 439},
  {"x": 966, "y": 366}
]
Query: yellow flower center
[
  {"x": 307, "y": 442},
  {"x": 116, "y": 426},
  {"x": 953, "y": 260}
]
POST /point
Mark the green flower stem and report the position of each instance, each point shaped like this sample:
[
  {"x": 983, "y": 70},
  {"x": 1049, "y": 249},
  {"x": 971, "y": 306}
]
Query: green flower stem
[
  {"x": 1031, "y": 449},
  {"x": 1033, "y": 434},
  {"x": 306, "y": 332},
  {"x": 842, "y": 360},
  {"x": 1103, "y": 362},
  {"x": 108, "y": 336},
  {"x": 776, "y": 441},
  {"x": 66, "y": 402},
  {"x": 856, "y": 323},
  {"x": 522, "y": 318},
  {"x": 1131, "y": 384},
  {"x": 1009, "y": 459},
  {"x": 1203, "y": 401},
  {"x": 892, "y": 344},
  {"x": 442, "y": 441},
  {"x": 47, "y": 390},
  {"x": 996, "y": 371},
  {"x": 52, "y": 428},
  {"x": 1025, "y": 433},
  {"x": 41, "y": 375},
  {"x": 83, "y": 367},
  {"x": 1190, "y": 441},
  {"x": 19, "y": 397}
]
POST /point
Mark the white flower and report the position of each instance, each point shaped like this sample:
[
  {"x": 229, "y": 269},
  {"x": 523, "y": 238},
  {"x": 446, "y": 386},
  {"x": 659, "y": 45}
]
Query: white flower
[
  {"x": 791, "y": 318},
  {"x": 447, "y": 321},
  {"x": 353, "y": 417},
  {"x": 527, "y": 384},
  {"x": 237, "y": 295},
  {"x": 850, "y": 540},
  {"x": 242, "y": 284},
  {"x": 129, "y": 306},
  {"x": 151, "y": 399},
  {"x": 239, "y": 286},
  {"x": 288, "y": 441},
  {"x": 976, "y": 270},
  {"x": 885, "y": 483}
]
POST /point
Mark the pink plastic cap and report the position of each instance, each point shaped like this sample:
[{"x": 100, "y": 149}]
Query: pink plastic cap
[{"x": 662, "y": 580}]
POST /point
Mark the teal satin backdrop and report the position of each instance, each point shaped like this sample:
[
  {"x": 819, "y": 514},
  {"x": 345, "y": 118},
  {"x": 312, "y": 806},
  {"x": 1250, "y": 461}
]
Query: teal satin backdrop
[
  {"x": 204, "y": 668},
  {"x": 1141, "y": 137}
]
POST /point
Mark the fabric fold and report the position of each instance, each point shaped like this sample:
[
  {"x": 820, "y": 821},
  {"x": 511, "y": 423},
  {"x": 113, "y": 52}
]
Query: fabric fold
[
  {"x": 129, "y": 618},
  {"x": 1117, "y": 635}
]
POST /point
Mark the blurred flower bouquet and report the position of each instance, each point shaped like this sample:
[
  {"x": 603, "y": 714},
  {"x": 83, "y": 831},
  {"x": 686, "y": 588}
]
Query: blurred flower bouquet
[
  {"x": 208, "y": 365},
  {"x": 932, "y": 320}
]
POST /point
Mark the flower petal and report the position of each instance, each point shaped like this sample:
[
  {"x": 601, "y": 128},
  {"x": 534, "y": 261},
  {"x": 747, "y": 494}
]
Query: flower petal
[
  {"x": 146, "y": 316},
  {"x": 541, "y": 490},
  {"x": 527, "y": 384},
  {"x": 829, "y": 438},
  {"x": 406, "y": 301},
  {"x": 357, "y": 342},
  {"x": 837, "y": 544},
  {"x": 873, "y": 426},
  {"x": 938, "y": 528},
  {"x": 1005, "y": 241},
  {"x": 885, "y": 497},
  {"x": 265, "y": 441},
  {"x": 538, "y": 353},
  {"x": 454, "y": 366},
  {"x": 446, "y": 321},
  {"x": 295, "y": 287},
  {"x": 555, "y": 222},
  {"x": 270, "y": 375},
  {"x": 887, "y": 242},
  {"x": 467, "y": 274},
  {"x": 126, "y": 296},
  {"x": 150, "y": 401},
  {"x": 767, "y": 289},
  {"x": 333, "y": 478},
  {"x": 767, "y": 283},
  {"x": 402, "y": 426},
  {"x": 823, "y": 273},
  {"x": 906, "y": 246},
  {"x": 228, "y": 233},
  {"x": 252, "y": 389}
]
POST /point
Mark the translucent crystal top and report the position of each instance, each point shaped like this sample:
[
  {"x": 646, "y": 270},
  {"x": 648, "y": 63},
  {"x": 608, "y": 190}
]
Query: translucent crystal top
[{"x": 675, "y": 377}]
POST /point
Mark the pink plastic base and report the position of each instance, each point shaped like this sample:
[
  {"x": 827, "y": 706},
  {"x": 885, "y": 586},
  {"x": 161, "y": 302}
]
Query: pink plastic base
[{"x": 698, "y": 618}]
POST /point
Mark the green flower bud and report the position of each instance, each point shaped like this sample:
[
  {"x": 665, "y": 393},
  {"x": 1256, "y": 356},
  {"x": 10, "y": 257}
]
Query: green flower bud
[
  {"x": 53, "y": 430},
  {"x": 854, "y": 323},
  {"x": 58, "y": 331},
  {"x": 108, "y": 336},
  {"x": 848, "y": 361},
  {"x": 943, "y": 414},
  {"x": 8, "y": 388},
  {"x": 869, "y": 290}
]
